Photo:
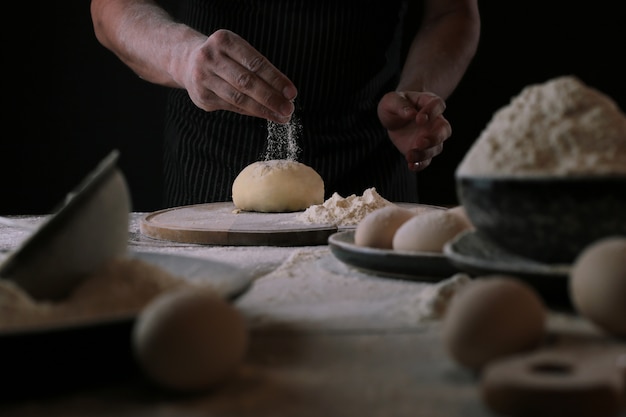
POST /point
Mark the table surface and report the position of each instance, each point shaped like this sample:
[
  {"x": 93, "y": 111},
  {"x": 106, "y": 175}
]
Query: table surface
[{"x": 325, "y": 339}]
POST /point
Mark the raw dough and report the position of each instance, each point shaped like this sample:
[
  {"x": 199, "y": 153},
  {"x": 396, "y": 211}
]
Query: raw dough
[{"x": 277, "y": 186}]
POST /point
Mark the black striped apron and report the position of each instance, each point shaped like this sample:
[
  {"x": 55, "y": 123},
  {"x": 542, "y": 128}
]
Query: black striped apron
[{"x": 342, "y": 56}]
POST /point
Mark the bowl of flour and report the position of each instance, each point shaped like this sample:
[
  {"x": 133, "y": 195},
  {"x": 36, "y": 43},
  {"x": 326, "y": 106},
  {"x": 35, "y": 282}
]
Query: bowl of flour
[{"x": 547, "y": 175}]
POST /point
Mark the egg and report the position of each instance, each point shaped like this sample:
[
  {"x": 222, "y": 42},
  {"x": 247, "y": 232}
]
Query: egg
[
  {"x": 429, "y": 231},
  {"x": 189, "y": 339},
  {"x": 597, "y": 284},
  {"x": 462, "y": 214},
  {"x": 491, "y": 317},
  {"x": 377, "y": 228}
]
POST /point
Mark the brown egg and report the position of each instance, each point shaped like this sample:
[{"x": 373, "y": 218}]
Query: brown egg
[
  {"x": 376, "y": 230},
  {"x": 462, "y": 214},
  {"x": 597, "y": 284},
  {"x": 189, "y": 339},
  {"x": 491, "y": 317},
  {"x": 429, "y": 231}
]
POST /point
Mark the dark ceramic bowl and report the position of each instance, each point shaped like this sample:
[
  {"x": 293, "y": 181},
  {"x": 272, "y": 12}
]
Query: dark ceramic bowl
[{"x": 545, "y": 219}]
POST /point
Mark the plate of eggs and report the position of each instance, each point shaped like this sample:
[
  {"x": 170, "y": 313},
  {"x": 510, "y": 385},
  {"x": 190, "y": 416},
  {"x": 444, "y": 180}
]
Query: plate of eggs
[{"x": 402, "y": 242}]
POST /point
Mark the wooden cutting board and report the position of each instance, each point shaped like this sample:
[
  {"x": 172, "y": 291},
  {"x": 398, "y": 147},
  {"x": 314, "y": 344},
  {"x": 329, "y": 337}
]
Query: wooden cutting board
[{"x": 222, "y": 224}]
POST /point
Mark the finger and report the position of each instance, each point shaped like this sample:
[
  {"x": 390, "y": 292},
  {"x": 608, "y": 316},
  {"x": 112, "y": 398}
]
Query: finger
[
  {"x": 264, "y": 69},
  {"x": 436, "y": 132},
  {"x": 255, "y": 99},
  {"x": 432, "y": 104},
  {"x": 429, "y": 106},
  {"x": 440, "y": 130},
  {"x": 249, "y": 91},
  {"x": 418, "y": 160},
  {"x": 425, "y": 140},
  {"x": 241, "y": 52},
  {"x": 217, "y": 94},
  {"x": 395, "y": 111},
  {"x": 251, "y": 76},
  {"x": 425, "y": 154},
  {"x": 400, "y": 100},
  {"x": 419, "y": 165}
]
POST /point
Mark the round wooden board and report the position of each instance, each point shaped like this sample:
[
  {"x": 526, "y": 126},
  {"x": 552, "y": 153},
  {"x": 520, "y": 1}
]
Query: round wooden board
[{"x": 222, "y": 224}]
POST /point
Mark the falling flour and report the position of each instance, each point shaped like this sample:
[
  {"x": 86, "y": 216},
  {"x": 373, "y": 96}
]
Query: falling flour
[
  {"x": 282, "y": 140},
  {"x": 559, "y": 128}
]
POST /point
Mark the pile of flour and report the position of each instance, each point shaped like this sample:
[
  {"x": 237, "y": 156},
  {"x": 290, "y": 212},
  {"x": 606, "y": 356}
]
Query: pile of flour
[
  {"x": 348, "y": 211},
  {"x": 120, "y": 288},
  {"x": 559, "y": 128}
]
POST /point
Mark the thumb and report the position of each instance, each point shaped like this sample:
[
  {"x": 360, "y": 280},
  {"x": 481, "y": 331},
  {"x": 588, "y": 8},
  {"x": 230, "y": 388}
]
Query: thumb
[{"x": 395, "y": 110}]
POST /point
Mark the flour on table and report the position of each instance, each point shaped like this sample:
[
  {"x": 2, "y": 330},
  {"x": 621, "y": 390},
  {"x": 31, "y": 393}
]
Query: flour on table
[
  {"x": 122, "y": 287},
  {"x": 346, "y": 211},
  {"x": 313, "y": 290}
]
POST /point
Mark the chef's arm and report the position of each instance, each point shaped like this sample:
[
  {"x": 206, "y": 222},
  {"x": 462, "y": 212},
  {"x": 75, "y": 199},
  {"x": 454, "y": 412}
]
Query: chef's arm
[
  {"x": 145, "y": 37},
  {"x": 443, "y": 47},
  {"x": 220, "y": 72}
]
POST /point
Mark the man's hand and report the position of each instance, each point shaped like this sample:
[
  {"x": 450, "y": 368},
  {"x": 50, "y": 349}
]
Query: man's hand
[
  {"x": 227, "y": 73},
  {"x": 416, "y": 125}
]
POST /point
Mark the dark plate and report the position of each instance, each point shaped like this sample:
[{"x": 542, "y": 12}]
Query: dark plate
[
  {"x": 476, "y": 254},
  {"x": 415, "y": 266},
  {"x": 68, "y": 355}
]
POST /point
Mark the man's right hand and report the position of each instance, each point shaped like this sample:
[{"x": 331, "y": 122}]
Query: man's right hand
[{"x": 226, "y": 73}]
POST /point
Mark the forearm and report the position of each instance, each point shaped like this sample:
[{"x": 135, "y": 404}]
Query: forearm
[
  {"x": 441, "y": 51},
  {"x": 146, "y": 38}
]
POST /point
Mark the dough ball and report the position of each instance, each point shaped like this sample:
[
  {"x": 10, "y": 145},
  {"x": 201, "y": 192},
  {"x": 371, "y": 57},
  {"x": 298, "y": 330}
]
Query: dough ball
[
  {"x": 277, "y": 186},
  {"x": 189, "y": 339},
  {"x": 491, "y": 317},
  {"x": 428, "y": 232},
  {"x": 377, "y": 229},
  {"x": 597, "y": 284}
]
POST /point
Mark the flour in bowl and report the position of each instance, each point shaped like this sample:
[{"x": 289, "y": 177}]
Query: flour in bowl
[
  {"x": 559, "y": 128},
  {"x": 121, "y": 287}
]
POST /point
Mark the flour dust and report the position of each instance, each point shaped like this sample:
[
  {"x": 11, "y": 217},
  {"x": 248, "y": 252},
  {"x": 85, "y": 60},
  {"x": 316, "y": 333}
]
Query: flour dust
[{"x": 282, "y": 140}]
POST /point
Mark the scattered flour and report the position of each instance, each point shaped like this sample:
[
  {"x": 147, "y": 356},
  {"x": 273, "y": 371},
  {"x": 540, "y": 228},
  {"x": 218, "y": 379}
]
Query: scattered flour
[
  {"x": 346, "y": 211},
  {"x": 559, "y": 128},
  {"x": 122, "y": 287},
  {"x": 282, "y": 140},
  {"x": 313, "y": 290}
]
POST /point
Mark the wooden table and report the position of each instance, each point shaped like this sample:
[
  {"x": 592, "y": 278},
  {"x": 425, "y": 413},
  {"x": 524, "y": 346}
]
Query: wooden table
[{"x": 309, "y": 357}]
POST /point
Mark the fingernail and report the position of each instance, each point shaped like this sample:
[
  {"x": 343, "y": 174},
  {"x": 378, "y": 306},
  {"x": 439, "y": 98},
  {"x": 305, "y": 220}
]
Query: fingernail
[
  {"x": 421, "y": 118},
  {"x": 408, "y": 111},
  {"x": 287, "y": 109},
  {"x": 282, "y": 119},
  {"x": 290, "y": 92}
]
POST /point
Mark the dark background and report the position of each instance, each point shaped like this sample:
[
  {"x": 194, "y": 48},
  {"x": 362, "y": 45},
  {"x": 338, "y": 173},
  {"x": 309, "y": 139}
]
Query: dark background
[{"x": 67, "y": 102}]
